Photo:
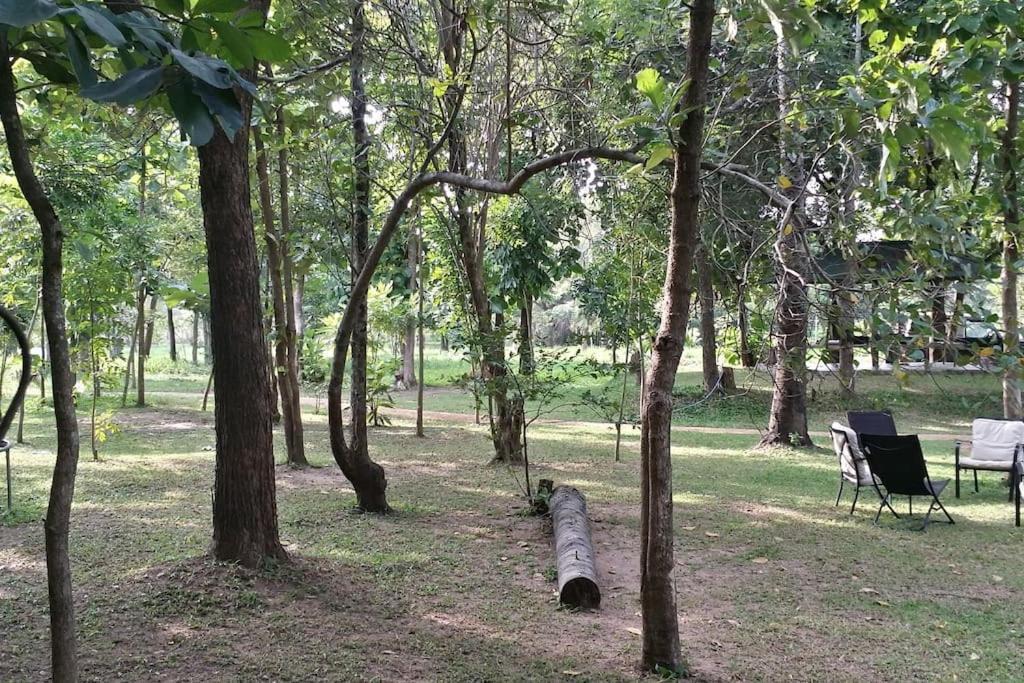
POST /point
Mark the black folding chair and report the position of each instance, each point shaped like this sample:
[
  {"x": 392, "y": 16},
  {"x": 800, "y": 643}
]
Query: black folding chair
[
  {"x": 871, "y": 422},
  {"x": 19, "y": 395},
  {"x": 1016, "y": 481},
  {"x": 899, "y": 463}
]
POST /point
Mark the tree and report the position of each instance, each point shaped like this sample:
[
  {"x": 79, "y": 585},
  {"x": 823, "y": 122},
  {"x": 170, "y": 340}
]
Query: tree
[{"x": 657, "y": 591}]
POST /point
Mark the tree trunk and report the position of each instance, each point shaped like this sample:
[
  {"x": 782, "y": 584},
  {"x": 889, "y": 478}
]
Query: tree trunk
[
  {"x": 708, "y": 346},
  {"x": 420, "y": 296},
  {"x": 288, "y": 275},
  {"x": 140, "y": 357},
  {"x": 940, "y": 325},
  {"x": 1011, "y": 251},
  {"x": 526, "y": 362},
  {"x": 787, "y": 421},
  {"x": 409, "y": 339},
  {"x": 366, "y": 476},
  {"x": 171, "y": 340},
  {"x": 207, "y": 340},
  {"x": 195, "y": 338},
  {"x": 657, "y": 590},
  {"x": 574, "y": 550},
  {"x": 150, "y": 324},
  {"x": 58, "y": 513},
  {"x": 507, "y": 414},
  {"x": 282, "y": 364},
  {"x": 747, "y": 356},
  {"x": 244, "y": 502}
]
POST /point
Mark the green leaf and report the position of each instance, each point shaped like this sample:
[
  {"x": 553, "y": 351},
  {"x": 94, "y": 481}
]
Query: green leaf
[
  {"x": 951, "y": 141},
  {"x": 51, "y": 69},
  {"x": 135, "y": 85},
  {"x": 650, "y": 83},
  {"x": 236, "y": 41},
  {"x": 78, "y": 54},
  {"x": 268, "y": 46},
  {"x": 101, "y": 25},
  {"x": 658, "y": 155},
  {"x": 219, "y": 6},
  {"x": 22, "y": 13},
  {"x": 223, "y": 105},
  {"x": 191, "y": 112},
  {"x": 212, "y": 71}
]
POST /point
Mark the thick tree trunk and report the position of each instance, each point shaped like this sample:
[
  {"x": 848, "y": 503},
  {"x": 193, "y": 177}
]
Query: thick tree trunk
[
  {"x": 245, "y": 501},
  {"x": 787, "y": 420},
  {"x": 1011, "y": 251},
  {"x": 657, "y": 589},
  {"x": 282, "y": 364},
  {"x": 708, "y": 346},
  {"x": 171, "y": 340},
  {"x": 64, "y": 656},
  {"x": 366, "y": 476}
]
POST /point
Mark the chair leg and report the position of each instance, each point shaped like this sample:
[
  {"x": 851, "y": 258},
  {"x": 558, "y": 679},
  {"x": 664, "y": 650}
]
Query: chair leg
[
  {"x": 943, "y": 508},
  {"x": 957, "y": 472},
  {"x": 885, "y": 504},
  {"x": 910, "y": 502},
  {"x": 840, "y": 494},
  {"x": 1009, "y": 480},
  {"x": 856, "y": 494},
  {"x": 975, "y": 481}
]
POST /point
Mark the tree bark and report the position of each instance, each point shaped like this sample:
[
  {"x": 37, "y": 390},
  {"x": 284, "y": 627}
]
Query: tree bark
[
  {"x": 787, "y": 420},
  {"x": 63, "y": 646},
  {"x": 657, "y": 590},
  {"x": 747, "y": 357},
  {"x": 366, "y": 476},
  {"x": 244, "y": 503},
  {"x": 282, "y": 363},
  {"x": 420, "y": 292},
  {"x": 195, "y": 338},
  {"x": 140, "y": 356},
  {"x": 171, "y": 340},
  {"x": 526, "y": 362},
  {"x": 288, "y": 276},
  {"x": 708, "y": 346},
  {"x": 574, "y": 550},
  {"x": 1011, "y": 250},
  {"x": 409, "y": 339}
]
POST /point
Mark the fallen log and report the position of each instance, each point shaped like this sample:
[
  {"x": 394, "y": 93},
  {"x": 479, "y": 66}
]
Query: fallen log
[{"x": 574, "y": 550}]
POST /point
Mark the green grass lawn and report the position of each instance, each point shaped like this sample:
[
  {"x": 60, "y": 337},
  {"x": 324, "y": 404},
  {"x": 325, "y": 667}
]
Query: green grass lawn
[{"x": 773, "y": 581}]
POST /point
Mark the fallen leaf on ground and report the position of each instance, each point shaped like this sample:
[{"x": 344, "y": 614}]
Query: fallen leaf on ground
[
  {"x": 689, "y": 528},
  {"x": 635, "y": 631},
  {"x": 711, "y": 534},
  {"x": 570, "y": 672},
  {"x": 975, "y": 656},
  {"x": 760, "y": 560},
  {"x": 865, "y": 589},
  {"x": 883, "y": 603}
]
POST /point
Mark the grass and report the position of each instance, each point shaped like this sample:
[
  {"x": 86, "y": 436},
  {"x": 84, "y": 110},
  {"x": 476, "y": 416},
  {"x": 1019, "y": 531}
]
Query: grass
[{"x": 772, "y": 580}]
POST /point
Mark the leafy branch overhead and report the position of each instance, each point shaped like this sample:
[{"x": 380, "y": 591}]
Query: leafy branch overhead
[{"x": 136, "y": 56}]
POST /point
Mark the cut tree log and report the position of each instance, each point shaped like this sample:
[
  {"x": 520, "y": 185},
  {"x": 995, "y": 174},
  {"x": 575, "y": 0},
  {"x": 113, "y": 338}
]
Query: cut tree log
[{"x": 574, "y": 550}]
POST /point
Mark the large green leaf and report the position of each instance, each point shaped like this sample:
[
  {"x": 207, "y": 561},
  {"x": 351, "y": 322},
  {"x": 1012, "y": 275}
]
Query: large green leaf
[
  {"x": 268, "y": 46},
  {"x": 23, "y": 13},
  {"x": 212, "y": 71},
  {"x": 51, "y": 69},
  {"x": 78, "y": 54},
  {"x": 236, "y": 42},
  {"x": 190, "y": 111},
  {"x": 135, "y": 85},
  {"x": 650, "y": 83},
  {"x": 223, "y": 105},
  {"x": 101, "y": 25}
]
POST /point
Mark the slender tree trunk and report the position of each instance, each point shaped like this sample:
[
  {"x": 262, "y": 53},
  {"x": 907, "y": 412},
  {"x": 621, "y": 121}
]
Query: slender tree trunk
[
  {"x": 366, "y": 476},
  {"x": 195, "y": 338},
  {"x": 940, "y": 325},
  {"x": 1011, "y": 250},
  {"x": 150, "y": 324},
  {"x": 787, "y": 421},
  {"x": 140, "y": 360},
  {"x": 244, "y": 502},
  {"x": 409, "y": 339},
  {"x": 708, "y": 346},
  {"x": 526, "y": 362},
  {"x": 282, "y": 362},
  {"x": 747, "y": 357},
  {"x": 298, "y": 457},
  {"x": 58, "y": 513},
  {"x": 657, "y": 588},
  {"x": 207, "y": 340},
  {"x": 420, "y": 296},
  {"x": 171, "y": 340}
]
